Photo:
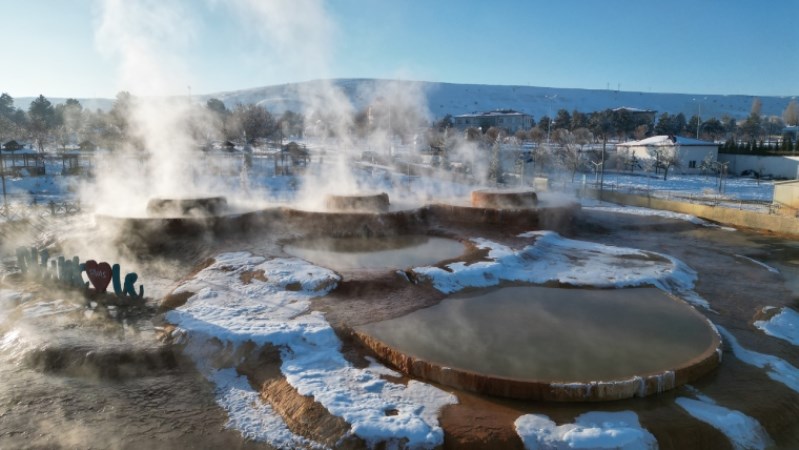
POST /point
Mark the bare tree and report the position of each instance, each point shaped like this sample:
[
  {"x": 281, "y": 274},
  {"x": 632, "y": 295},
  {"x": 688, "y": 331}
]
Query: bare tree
[
  {"x": 570, "y": 155},
  {"x": 254, "y": 122},
  {"x": 666, "y": 157},
  {"x": 757, "y": 106},
  {"x": 583, "y": 137},
  {"x": 791, "y": 113},
  {"x": 473, "y": 134},
  {"x": 641, "y": 131}
]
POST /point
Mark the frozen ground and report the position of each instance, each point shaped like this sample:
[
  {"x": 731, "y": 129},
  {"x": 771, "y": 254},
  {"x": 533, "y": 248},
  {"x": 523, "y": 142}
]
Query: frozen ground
[
  {"x": 704, "y": 186},
  {"x": 743, "y": 431},
  {"x": 273, "y": 308},
  {"x": 783, "y": 325},
  {"x": 260, "y": 178},
  {"x": 267, "y": 312},
  {"x": 551, "y": 258},
  {"x": 776, "y": 368},
  {"x": 592, "y": 430}
]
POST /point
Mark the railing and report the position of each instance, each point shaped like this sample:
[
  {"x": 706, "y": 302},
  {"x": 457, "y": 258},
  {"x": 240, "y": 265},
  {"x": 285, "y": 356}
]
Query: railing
[
  {"x": 17, "y": 211},
  {"x": 705, "y": 198}
]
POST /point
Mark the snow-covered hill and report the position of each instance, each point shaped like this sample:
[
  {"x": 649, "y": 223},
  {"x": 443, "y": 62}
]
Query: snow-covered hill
[{"x": 449, "y": 98}]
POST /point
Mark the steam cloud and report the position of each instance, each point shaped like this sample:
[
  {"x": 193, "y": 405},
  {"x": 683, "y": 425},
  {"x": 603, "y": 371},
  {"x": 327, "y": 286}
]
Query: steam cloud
[{"x": 150, "y": 40}]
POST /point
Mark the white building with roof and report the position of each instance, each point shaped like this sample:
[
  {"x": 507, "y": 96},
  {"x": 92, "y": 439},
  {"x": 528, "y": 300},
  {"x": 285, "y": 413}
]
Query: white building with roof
[{"x": 689, "y": 153}]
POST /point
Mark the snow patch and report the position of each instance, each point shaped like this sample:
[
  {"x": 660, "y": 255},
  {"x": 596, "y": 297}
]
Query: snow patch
[
  {"x": 743, "y": 431},
  {"x": 761, "y": 264},
  {"x": 640, "y": 211},
  {"x": 783, "y": 325},
  {"x": 776, "y": 368},
  {"x": 592, "y": 430},
  {"x": 253, "y": 418},
  {"x": 578, "y": 263},
  {"x": 276, "y": 312}
]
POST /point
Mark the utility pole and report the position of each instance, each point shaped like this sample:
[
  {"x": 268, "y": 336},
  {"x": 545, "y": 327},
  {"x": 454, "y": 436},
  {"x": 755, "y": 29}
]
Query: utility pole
[
  {"x": 698, "y": 120},
  {"x": 698, "y": 116},
  {"x": 3, "y": 177}
]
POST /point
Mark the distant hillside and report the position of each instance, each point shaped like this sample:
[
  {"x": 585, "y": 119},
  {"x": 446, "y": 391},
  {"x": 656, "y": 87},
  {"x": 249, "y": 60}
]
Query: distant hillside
[{"x": 449, "y": 98}]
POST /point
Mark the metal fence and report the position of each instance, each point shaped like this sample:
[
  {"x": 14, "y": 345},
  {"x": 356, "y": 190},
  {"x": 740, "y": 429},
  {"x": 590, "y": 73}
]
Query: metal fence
[
  {"x": 17, "y": 211},
  {"x": 707, "y": 197}
]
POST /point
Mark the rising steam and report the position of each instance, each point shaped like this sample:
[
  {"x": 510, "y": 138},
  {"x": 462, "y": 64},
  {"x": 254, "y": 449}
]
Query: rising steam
[{"x": 150, "y": 40}]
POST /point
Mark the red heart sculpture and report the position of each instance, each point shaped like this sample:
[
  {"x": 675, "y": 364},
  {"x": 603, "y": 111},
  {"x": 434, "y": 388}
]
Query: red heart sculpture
[{"x": 99, "y": 274}]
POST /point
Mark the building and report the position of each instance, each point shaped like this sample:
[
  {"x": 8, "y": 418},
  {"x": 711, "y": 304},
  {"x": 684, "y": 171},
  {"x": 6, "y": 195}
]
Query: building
[
  {"x": 507, "y": 119},
  {"x": 688, "y": 153},
  {"x": 638, "y": 115}
]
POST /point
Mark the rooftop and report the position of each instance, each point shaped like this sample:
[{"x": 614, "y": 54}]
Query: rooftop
[
  {"x": 668, "y": 140},
  {"x": 496, "y": 112}
]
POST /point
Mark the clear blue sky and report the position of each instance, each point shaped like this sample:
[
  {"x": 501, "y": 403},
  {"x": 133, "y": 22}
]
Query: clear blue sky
[{"x": 698, "y": 46}]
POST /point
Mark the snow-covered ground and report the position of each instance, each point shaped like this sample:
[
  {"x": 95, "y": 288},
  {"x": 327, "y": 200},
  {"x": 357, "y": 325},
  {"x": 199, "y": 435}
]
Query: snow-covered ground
[
  {"x": 743, "y": 431},
  {"x": 276, "y": 312},
  {"x": 776, "y": 368},
  {"x": 261, "y": 177},
  {"x": 783, "y": 325},
  {"x": 592, "y": 430},
  {"x": 551, "y": 258},
  {"x": 273, "y": 308},
  {"x": 691, "y": 186}
]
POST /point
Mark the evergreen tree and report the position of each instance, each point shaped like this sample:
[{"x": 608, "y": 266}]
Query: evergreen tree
[
  {"x": 751, "y": 126},
  {"x": 663, "y": 125},
  {"x": 623, "y": 123},
  {"x": 679, "y": 124},
  {"x": 562, "y": 120},
  {"x": 545, "y": 124},
  {"x": 42, "y": 120},
  {"x": 579, "y": 120},
  {"x": 693, "y": 126},
  {"x": 787, "y": 143},
  {"x": 6, "y": 106}
]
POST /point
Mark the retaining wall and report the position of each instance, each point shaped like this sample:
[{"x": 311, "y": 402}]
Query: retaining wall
[{"x": 776, "y": 223}]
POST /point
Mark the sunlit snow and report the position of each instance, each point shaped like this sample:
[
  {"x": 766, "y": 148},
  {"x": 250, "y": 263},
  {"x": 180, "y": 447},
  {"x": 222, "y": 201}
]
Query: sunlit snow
[
  {"x": 579, "y": 263},
  {"x": 783, "y": 325},
  {"x": 743, "y": 431},
  {"x": 592, "y": 430},
  {"x": 276, "y": 312},
  {"x": 776, "y": 368}
]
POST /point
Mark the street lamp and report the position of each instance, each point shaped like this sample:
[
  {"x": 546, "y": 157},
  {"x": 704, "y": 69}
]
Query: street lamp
[
  {"x": 3, "y": 177},
  {"x": 698, "y": 116},
  {"x": 549, "y": 122}
]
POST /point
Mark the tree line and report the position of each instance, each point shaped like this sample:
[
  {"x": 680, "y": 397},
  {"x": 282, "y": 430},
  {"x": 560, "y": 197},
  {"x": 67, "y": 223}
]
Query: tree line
[
  {"x": 66, "y": 124},
  {"x": 61, "y": 125},
  {"x": 756, "y": 131}
]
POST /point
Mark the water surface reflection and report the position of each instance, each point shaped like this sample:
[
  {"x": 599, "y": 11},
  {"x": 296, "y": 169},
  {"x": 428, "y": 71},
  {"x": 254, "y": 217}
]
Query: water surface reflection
[
  {"x": 537, "y": 333},
  {"x": 394, "y": 252}
]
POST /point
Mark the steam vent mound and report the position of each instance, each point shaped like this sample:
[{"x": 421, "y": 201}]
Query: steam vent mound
[
  {"x": 502, "y": 199},
  {"x": 186, "y": 207},
  {"x": 551, "y": 344},
  {"x": 374, "y": 203}
]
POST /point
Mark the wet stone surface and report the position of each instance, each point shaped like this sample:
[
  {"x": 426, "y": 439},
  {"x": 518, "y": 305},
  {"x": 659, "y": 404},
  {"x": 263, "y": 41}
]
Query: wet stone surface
[{"x": 172, "y": 406}]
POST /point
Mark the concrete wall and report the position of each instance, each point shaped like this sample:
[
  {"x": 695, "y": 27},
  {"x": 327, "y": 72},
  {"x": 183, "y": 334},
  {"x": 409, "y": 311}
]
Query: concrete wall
[
  {"x": 787, "y": 193},
  {"x": 776, "y": 223},
  {"x": 776, "y": 166}
]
